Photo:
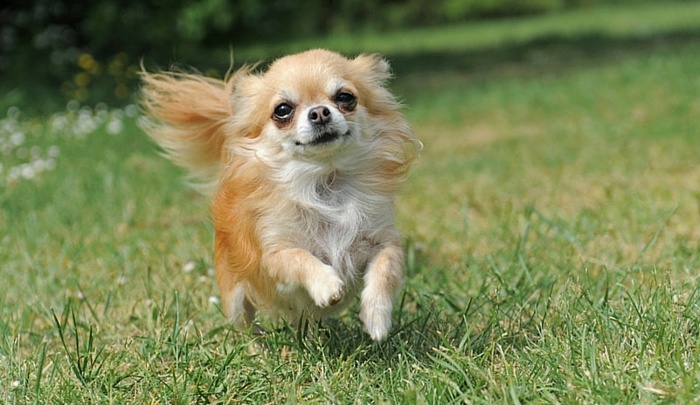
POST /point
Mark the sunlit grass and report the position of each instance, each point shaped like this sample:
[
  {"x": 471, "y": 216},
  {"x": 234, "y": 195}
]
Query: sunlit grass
[{"x": 608, "y": 144}]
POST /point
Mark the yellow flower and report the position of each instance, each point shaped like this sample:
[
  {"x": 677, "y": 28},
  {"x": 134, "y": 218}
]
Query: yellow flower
[
  {"x": 82, "y": 79},
  {"x": 89, "y": 64},
  {"x": 86, "y": 61}
]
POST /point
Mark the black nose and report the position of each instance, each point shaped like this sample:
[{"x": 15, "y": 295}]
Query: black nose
[{"x": 320, "y": 115}]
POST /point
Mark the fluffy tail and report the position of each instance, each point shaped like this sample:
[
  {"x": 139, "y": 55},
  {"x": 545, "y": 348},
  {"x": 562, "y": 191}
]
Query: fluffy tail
[{"x": 189, "y": 115}]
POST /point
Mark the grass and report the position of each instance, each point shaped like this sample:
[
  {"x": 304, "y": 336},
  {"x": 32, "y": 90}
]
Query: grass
[
  {"x": 552, "y": 225},
  {"x": 641, "y": 21}
]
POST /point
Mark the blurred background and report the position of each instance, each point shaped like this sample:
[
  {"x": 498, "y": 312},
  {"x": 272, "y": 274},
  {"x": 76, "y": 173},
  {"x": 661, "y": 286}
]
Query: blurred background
[{"x": 52, "y": 51}]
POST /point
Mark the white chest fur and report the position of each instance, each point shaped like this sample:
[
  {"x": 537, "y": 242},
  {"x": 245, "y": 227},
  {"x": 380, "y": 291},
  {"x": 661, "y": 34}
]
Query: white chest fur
[
  {"x": 342, "y": 222},
  {"x": 336, "y": 217}
]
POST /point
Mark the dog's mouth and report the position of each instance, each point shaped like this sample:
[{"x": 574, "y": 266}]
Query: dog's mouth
[{"x": 324, "y": 138}]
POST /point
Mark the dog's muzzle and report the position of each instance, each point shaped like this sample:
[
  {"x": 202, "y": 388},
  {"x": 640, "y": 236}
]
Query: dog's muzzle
[{"x": 324, "y": 138}]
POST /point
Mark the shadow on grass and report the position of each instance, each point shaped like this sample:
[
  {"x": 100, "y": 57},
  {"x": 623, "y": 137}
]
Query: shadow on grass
[
  {"x": 426, "y": 323},
  {"x": 549, "y": 55}
]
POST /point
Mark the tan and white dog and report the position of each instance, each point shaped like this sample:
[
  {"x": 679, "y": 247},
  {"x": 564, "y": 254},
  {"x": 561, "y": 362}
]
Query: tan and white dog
[{"x": 303, "y": 161}]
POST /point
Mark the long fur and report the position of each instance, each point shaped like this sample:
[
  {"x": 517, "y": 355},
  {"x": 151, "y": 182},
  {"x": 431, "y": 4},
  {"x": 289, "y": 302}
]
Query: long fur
[{"x": 298, "y": 229}]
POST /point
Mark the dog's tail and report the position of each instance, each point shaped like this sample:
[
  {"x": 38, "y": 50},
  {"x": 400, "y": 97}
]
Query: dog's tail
[{"x": 188, "y": 117}]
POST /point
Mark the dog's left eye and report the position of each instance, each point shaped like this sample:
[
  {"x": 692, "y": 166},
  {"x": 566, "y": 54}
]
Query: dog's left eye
[
  {"x": 283, "y": 111},
  {"x": 346, "y": 100}
]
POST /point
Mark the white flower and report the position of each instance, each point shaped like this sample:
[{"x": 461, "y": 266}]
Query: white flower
[
  {"x": 15, "y": 172},
  {"x": 189, "y": 266},
  {"x": 73, "y": 105},
  {"x": 28, "y": 171},
  {"x": 131, "y": 110},
  {"x": 115, "y": 126},
  {"x": 17, "y": 138},
  {"x": 59, "y": 123},
  {"x": 54, "y": 151},
  {"x": 13, "y": 113},
  {"x": 38, "y": 166}
]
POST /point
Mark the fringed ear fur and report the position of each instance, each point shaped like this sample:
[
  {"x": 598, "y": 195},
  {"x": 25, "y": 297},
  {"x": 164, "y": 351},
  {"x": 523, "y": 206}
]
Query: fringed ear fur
[
  {"x": 374, "y": 66},
  {"x": 189, "y": 115}
]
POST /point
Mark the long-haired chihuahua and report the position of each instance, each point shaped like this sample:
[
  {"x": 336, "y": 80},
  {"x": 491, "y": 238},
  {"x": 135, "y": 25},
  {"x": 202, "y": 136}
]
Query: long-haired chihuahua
[{"x": 302, "y": 162}]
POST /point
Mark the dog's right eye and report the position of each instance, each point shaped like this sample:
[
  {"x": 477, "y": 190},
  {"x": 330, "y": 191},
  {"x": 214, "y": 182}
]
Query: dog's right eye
[{"x": 283, "y": 112}]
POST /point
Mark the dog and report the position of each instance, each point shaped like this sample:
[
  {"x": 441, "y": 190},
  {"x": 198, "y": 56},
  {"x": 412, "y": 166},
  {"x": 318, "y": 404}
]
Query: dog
[{"x": 302, "y": 162}]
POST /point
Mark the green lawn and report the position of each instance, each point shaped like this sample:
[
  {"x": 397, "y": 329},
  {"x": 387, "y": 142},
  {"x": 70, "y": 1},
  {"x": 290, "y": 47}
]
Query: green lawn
[{"x": 552, "y": 225}]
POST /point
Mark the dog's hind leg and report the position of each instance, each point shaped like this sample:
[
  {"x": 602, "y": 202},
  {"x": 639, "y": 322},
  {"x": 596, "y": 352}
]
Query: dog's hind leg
[{"x": 238, "y": 310}]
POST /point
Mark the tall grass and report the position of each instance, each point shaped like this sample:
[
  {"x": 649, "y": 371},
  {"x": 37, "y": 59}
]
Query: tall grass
[{"x": 552, "y": 229}]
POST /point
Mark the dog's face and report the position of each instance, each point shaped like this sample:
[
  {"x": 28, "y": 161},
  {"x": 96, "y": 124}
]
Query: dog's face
[
  {"x": 314, "y": 118},
  {"x": 313, "y": 103}
]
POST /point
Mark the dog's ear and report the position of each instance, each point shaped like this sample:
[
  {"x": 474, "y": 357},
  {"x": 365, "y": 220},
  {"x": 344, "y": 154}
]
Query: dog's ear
[
  {"x": 373, "y": 67},
  {"x": 249, "y": 101},
  {"x": 371, "y": 72}
]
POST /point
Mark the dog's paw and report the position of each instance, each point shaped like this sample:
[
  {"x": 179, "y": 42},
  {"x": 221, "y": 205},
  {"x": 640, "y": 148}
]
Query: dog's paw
[
  {"x": 328, "y": 290},
  {"x": 375, "y": 314}
]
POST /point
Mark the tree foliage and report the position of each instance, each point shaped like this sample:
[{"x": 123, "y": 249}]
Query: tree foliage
[{"x": 74, "y": 41}]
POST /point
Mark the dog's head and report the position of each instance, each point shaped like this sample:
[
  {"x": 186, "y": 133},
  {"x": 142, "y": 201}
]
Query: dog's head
[{"x": 312, "y": 104}]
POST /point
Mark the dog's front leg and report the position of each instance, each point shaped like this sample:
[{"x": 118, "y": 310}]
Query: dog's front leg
[
  {"x": 383, "y": 278},
  {"x": 299, "y": 267}
]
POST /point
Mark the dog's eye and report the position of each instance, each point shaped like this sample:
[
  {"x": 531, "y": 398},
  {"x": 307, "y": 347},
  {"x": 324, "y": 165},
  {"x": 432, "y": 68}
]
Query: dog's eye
[
  {"x": 283, "y": 112},
  {"x": 346, "y": 100}
]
